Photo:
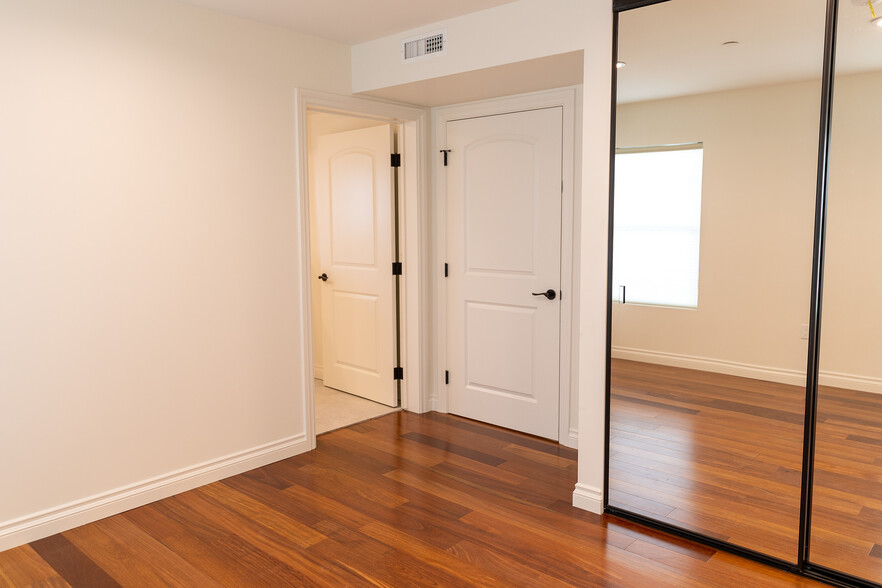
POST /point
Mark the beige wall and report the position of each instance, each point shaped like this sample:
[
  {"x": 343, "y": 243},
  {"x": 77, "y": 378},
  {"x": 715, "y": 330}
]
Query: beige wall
[
  {"x": 851, "y": 345},
  {"x": 512, "y": 33},
  {"x": 149, "y": 250},
  {"x": 318, "y": 124},
  {"x": 757, "y": 221}
]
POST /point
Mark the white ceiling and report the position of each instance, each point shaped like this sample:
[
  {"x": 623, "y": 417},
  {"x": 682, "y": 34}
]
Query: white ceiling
[
  {"x": 676, "y": 48},
  {"x": 348, "y": 21}
]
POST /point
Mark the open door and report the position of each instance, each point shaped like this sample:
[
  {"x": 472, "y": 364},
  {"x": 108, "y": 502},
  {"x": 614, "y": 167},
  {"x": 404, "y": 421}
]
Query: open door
[{"x": 356, "y": 227}]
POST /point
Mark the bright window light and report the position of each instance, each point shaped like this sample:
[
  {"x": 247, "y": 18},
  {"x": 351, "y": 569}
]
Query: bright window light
[{"x": 657, "y": 219}]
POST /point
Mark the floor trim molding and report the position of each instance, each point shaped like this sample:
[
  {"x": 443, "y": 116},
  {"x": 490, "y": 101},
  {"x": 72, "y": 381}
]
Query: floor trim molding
[
  {"x": 588, "y": 498},
  {"x": 73, "y": 514},
  {"x": 746, "y": 370}
]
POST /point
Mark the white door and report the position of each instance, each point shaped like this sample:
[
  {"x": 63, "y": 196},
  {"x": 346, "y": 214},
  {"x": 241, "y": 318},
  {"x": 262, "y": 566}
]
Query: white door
[
  {"x": 504, "y": 235},
  {"x": 354, "y": 212}
]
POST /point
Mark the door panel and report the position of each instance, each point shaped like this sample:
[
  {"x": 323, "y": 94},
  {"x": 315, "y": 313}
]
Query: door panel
[
  {"x": 504, "y": 219},
  {"x": 355, "y": 224},
  {"x": 353, "y": 241}
]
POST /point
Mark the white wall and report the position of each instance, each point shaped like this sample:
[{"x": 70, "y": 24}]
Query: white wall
[
  {"x": 520, "y": 31},
  {"x": 511, "y": 33},
  {"x": 757, "y": 224},
  {"x": 149, "y": 251},
  {"x": 851, "y": 347},
  {"x": 318, "y": 124},
  {"x": 757, "y": 221}
]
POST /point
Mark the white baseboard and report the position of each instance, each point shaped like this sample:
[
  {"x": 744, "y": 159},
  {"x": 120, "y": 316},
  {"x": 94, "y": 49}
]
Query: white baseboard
[
  {"x": 746, "y": 370},
  {"x": 73, "y": 514},
  {"x": 851, "y": 382},
  {"x": 588, "y": 498},
  {"x": 317, "y": 372}
]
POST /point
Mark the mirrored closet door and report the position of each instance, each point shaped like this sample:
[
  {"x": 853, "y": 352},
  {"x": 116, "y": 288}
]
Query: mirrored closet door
[
  {"x": 846, "y": 513},
  {"x": 717, "y": 133}
]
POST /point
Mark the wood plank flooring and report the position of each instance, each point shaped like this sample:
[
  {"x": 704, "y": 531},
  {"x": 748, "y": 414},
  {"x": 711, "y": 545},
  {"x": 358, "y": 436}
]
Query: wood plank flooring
[
  {"x": 722, "y": 455},
  {"x": 402, "y": 500}
]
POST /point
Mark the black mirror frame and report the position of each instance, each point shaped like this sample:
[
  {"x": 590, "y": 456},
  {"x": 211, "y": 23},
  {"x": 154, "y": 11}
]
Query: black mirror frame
[{"x": 803, "y": 565}]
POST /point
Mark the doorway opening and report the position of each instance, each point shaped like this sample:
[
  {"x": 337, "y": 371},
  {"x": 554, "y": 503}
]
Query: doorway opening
[
  {"x": 413, "y": 238},
  {"x": 355, "y": 256}
]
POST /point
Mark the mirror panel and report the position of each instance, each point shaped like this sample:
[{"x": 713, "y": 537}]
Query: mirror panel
[
  {"x": 709, "y": 354},
  {"x": 847, "y": 500}
]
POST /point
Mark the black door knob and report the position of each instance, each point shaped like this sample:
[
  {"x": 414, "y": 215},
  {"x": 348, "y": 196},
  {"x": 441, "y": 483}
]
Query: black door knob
[
  {"x": 323, "y": 277},
  {"x": 550, "y": 294}
]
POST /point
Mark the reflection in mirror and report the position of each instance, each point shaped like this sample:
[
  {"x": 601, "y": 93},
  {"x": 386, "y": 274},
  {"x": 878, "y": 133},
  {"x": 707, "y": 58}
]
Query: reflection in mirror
[
  {"x": 716, "y": 166},
  {"x": 847, "y": 503}
]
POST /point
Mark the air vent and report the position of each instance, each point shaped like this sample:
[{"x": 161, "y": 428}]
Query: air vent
[{"x": 424, "y": 46}]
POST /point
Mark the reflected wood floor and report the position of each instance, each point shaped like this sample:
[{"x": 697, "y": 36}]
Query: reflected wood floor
[
  {"x": 402, "y": 500},
  {"x": 722, "y": 455}
]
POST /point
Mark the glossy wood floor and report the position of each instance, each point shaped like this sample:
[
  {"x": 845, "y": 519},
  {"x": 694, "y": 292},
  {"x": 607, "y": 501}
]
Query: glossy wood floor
[
  {"x": 722, "y": 455},
  {"x": 403, "y": 500}
]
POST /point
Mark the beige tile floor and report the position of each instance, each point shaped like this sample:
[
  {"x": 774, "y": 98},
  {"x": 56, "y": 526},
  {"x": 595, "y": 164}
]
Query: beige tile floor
[{"x": 335, "y": 409}]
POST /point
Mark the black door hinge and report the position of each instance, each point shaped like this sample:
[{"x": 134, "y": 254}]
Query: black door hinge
[
  {"x": 396, "y": 268},
  {"x": 445, "y": 270},
  {"x": 398, "y": 373},
  {"x": 396, "y": 160},
  {"x": 445, "y": 152},
  {"x": 446, "y": 377}
]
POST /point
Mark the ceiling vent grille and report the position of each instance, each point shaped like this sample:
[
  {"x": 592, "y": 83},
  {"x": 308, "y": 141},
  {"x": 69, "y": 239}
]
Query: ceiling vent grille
[{"x": 423, "y": 46}]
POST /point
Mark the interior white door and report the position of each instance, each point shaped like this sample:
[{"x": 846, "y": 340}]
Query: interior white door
[
  {"x": 504, "y": 236},
  {"x": 354, "y": 214}
]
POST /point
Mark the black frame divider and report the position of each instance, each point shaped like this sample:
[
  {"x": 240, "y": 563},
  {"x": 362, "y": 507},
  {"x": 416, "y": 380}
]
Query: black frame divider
[
  {"x": 814, "y": 341},
  {"x": 803, "y": 566}
]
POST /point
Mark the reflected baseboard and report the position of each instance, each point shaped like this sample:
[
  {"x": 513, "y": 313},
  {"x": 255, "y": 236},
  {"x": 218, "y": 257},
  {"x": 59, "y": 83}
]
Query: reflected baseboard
[{"x": 746, "y": 370}]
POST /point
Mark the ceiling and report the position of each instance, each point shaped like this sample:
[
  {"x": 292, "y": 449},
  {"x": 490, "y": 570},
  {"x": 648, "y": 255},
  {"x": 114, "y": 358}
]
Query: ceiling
[
  {"x": 672, "y": 49},
  {"x": 676, "y": 48},
  {"x": 348, "y": 21}
]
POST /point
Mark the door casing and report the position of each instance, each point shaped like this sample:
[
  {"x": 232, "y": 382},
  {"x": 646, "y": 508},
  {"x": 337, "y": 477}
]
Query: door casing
[
  {"x": 567, "y": 98},
  {"x": 413, "y": 238}
]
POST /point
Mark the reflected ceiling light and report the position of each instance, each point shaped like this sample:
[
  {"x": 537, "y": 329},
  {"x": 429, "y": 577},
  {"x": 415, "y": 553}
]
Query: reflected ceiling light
[{"x": 621, "y": 64}]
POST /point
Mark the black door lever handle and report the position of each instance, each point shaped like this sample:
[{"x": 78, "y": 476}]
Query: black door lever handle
[
  {"x": 323, "y": 277},
  {"x": 550, "y": 294}
]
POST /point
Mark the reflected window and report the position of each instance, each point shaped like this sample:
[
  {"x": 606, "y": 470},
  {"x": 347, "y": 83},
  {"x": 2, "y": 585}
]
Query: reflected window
[{"x": 657, "y": 225}]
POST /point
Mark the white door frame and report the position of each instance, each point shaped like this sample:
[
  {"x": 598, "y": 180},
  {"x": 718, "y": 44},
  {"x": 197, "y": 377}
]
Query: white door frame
[
  {"x": 413, "y": 211},
  {"x": 567, "y": 99}
]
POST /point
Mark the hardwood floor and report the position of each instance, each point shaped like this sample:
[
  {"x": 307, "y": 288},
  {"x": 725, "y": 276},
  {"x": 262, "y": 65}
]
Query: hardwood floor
[
  {"x": 722, "y": 455},
  {"x": 403, "y": 500}
]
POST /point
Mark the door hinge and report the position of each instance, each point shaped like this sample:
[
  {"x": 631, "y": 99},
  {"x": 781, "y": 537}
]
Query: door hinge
[
  {"x": 445, "y": 152},
  {"x": 398, "y": 373},
  {"x": 396, "y": 268},
  {"x": 445, "y": 270},
  {"x": 446, "y": 377},
  {"x": 396, "y": 160}
]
